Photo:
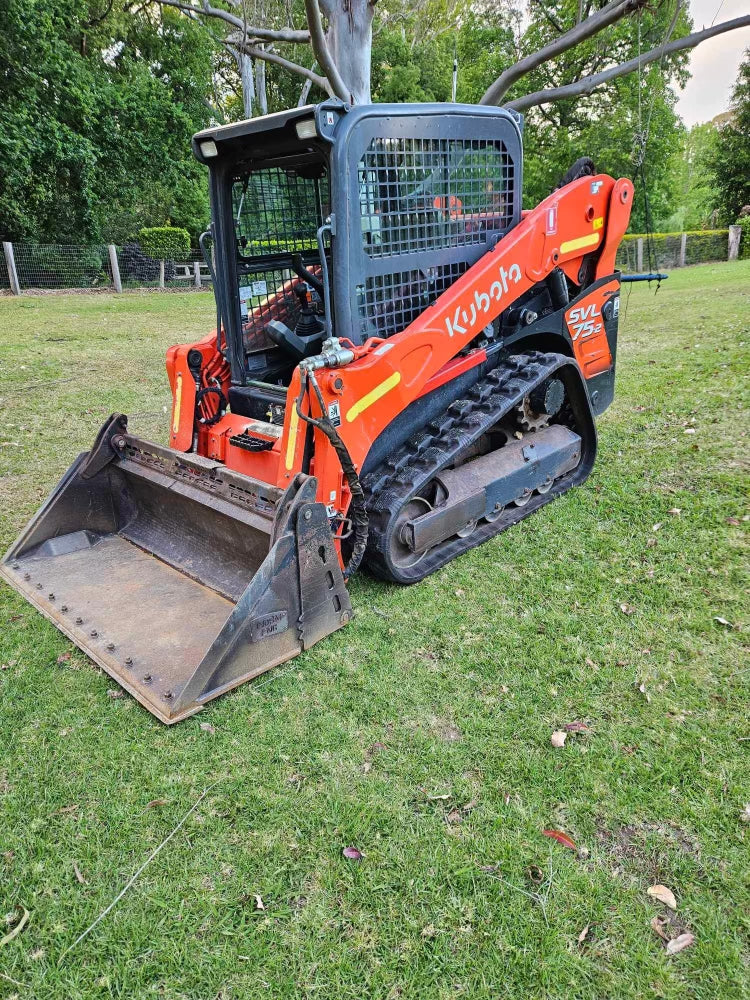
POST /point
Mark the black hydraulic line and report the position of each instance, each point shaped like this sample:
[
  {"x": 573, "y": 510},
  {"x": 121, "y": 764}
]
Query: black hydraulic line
[
  {"x": 643, "y": 277},
  {"x": 360, "y": 518}
]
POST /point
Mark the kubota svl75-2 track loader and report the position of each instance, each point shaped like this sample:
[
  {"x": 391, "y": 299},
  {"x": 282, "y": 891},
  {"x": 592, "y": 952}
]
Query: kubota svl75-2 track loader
[{"x": 405, "y": 364}]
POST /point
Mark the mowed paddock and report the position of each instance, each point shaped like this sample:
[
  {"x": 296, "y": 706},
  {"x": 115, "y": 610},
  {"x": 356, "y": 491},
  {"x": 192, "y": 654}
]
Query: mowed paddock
[{"x": 420, "y": 734}]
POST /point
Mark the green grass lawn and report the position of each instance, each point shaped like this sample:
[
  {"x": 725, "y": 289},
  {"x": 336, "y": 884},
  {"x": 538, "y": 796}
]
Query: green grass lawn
[{"x": 420, "y": 734}]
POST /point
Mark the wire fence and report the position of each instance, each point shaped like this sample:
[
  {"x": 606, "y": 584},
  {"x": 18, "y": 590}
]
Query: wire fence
[
  {"x": 664, "y": 251},
  {"x": 40, "y": 267}
]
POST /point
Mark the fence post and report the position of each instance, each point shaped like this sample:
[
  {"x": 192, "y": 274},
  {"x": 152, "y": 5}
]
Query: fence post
[
  {"x": 683, "y": 250},
  {"x": 197, "y": 273},
  {"x": 735, "y": 235},
  {"x": 639, "y": 253},
  {"x": 114, "y": 264},
  {"x": 10, "y": 260}
]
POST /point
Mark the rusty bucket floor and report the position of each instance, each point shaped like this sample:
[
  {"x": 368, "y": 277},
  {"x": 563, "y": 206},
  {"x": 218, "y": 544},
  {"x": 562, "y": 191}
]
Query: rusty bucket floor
[{"x": 145, "y": 623}]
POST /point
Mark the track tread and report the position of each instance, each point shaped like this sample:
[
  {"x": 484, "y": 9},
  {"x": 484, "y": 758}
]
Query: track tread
[{"x": 397, "y": 479}]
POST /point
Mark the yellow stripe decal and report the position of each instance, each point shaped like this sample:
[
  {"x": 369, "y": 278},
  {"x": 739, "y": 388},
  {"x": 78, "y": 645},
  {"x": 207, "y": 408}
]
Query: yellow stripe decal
[
  {"x": 291, "y": 445},
  {"x": 177, "y": 404},
  {"x": 373, "y": 396},
  {"x": 583, "y": 241}
]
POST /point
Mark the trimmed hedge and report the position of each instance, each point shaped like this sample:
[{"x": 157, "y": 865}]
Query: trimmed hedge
[
  {"x": 744, "y": 224},
  {"x": 164, "y": 242}
]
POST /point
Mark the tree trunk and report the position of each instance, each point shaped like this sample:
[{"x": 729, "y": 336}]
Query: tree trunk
[
  {"x": 350, "y": 41},
  {"x": 247, "y": 80},
  {"x": 260, "y": 86}
]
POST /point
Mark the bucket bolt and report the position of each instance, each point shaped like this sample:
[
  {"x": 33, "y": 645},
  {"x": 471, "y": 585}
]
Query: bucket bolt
[
  {"x": 128, "y": 661},
  {"x": 110, "y": 646},
  {"x": 64, "y": 607},
  {"x": 93, "y": 633},
  {"x": 79, "y": 621},
  {"x": 147, "y": 678},
  {"x": 168, "y": 695},
  {"x": 51, "y": 596},
  {"x": 27, "y": 576},
  {"x": 39, "y": 586}
]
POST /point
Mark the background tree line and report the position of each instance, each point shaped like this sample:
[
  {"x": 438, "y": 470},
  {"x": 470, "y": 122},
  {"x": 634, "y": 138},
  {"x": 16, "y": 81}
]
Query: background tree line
[{"x": 99, "y": 99}]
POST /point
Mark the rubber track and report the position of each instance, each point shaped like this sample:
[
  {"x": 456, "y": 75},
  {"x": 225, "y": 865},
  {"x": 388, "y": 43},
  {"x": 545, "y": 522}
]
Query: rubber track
[{"x": 441, "y": 442}]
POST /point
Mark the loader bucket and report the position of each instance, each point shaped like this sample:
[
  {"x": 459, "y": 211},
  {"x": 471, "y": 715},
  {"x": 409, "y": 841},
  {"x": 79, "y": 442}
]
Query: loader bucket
[{"x": 179, "y": 577}]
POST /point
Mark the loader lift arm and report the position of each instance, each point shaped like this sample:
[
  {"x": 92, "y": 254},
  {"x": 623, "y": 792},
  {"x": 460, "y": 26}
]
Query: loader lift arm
[{"x": 587, "y": 216}]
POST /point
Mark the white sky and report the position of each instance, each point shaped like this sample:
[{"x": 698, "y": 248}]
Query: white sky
[{"x": 713, "y": 63}]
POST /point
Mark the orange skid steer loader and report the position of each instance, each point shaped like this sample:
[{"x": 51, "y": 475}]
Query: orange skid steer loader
[{"x": 404, "y": 364}]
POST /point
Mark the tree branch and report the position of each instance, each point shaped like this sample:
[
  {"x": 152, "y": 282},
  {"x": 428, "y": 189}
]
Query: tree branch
[
  {"x": 268, "y": 55},
  {"x": 590, "y": 83},
  {"x": 265, "y": 34},
  {"x": 610, "y": 13},
  {"x": 322, "y": 52}
]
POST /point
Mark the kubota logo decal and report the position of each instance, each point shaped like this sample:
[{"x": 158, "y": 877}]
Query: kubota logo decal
[
  {"x": 463, "y": 321},
  {"x": 582, "y": 321}
]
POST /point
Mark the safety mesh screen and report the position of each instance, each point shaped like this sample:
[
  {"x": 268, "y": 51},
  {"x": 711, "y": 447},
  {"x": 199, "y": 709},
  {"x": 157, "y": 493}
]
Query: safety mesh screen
[
  {"x": 277, "y": 213},
  {"x": 430, "y": 194},
  {"x": 389, "y": 302}
]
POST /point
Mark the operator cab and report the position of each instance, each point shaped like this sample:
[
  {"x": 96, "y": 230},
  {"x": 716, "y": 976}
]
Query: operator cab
[{"x": 347, "y": 222}]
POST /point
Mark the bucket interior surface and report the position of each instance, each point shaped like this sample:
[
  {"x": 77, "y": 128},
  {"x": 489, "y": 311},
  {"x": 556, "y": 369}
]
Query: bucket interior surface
[{"x": 148, "y": 625}]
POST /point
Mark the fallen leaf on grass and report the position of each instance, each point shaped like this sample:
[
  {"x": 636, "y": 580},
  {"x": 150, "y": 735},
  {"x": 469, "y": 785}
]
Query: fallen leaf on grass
[
  {"x": 352, "y": 854},
  {"x": 650, "y": 543},
  {"x": 734, "y": 521},
  {"x": 470, "y": 805},
  {"x": 428, "y": 931},
  {"x": 644, "y": 692},
  {"x": 115, "y": 693},
  {"x": 156, "y": 802},
  {"x": 207, "y": 728},
  {"x": 584, "y": 934},
  {"x": 17, "y": 929},
  {"x": 78, "y": 875},
  {"x": 259, "y": 904},
  {"x": 558, "y": 738},
  {"x": 675, "y": 511},
  {"x": 663, "y": 895},
  {"x": 679, "y": 943},
  {"x": 576, "y": 727},
  {"x": 627, "y": 609},
  {"x": 67, "y": 809},
  {"x": 454, "y": 816},
  {"x": 561, "y": 838},
  {"x": 745, "y": 814},
  {"x": 63, "y": 657},
  {"x": 655, "y": 527},
  {"x": 722, "y": 621},
  {"x": 658, "y": 923}
]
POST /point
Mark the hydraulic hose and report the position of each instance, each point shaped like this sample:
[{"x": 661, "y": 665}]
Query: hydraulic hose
[{"x": 359, "y": 516}]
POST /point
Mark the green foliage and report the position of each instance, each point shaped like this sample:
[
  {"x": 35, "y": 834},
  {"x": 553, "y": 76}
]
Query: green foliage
[
  {"x": 744, "y": 224},
  {"x": 730, "y": 159},
  {"x": 694, "y": 181},
  {"x": 97, "y": 106},
  {"x": 164, "y": 242}
]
